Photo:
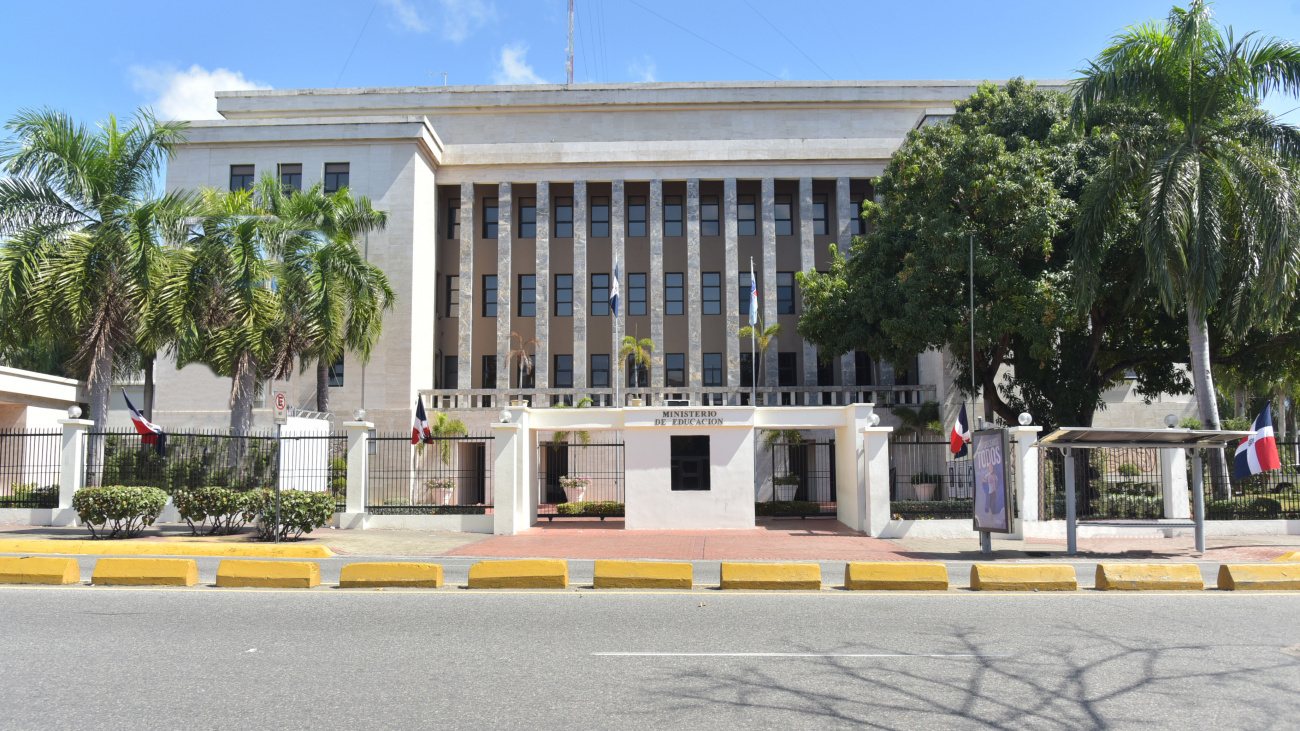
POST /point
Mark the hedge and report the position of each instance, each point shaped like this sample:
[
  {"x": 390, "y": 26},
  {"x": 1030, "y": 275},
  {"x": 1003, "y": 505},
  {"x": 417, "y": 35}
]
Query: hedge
[
  {"x": 942, "y": 508},
  {"x": 787, "y": 507},
  {"x": 608, "y": 507},
  {"x": 121, "y": 512},
  {"x": 1261, "y": 508},
  {"x": 30, "y": 495},
  {"x": 301, "y": 511},
  {"x": 226, "y": 509}
]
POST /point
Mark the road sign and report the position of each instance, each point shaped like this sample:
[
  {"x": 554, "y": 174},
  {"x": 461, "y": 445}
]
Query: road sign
[{"x": 281, "y": 405}]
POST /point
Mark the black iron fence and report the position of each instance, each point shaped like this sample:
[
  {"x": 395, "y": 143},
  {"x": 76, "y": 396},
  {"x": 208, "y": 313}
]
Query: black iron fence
[
  {"x": 577, "y": 480},
  {"x": 1115, "y": 483},
  {"x": 1266, "y": 496},
  {"x": 927, "y": 482},
  {"x": 451, "y": 476},
  {"x": 802, "y": 481},
  {"x": 30, "y": 461}
]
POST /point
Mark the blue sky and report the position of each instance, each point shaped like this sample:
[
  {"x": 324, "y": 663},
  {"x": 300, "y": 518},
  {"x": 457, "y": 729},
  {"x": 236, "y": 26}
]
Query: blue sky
[{"x": 93, "y": 59}]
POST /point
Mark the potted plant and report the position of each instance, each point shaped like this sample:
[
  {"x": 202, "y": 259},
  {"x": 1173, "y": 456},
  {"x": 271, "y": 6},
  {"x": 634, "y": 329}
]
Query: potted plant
[
  {"x": 575, "y": 488},
  {"x": 785, "y": 487},
  {"x": 441, "y": 491},
  {"x": 924, "y": 484}
]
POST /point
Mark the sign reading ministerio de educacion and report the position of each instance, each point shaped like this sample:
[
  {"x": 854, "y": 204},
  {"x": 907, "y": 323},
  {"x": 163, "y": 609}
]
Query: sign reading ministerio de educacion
[{"x": 735, "y": 416}]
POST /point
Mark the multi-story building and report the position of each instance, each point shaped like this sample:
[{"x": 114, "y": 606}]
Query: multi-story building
[{"x": 514, "y": 210}]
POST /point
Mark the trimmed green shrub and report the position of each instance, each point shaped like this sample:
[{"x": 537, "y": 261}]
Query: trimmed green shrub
[
  {"x": 1261, "y": 508},
  {"x": 120, "y": 512},
  {"x": 30, "y": 494},
  {"x": 1128, "y": 469},
  {"x": 787, "y": 507},
  {"x": 607, "y": 507},
  {"x": 301, "y": 511},
  {"x": 909, "y": 509},
  {"x": 224, "y": 507}
]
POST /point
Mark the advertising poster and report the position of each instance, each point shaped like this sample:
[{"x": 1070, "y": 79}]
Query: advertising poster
[{"x": 992, "y": 493}]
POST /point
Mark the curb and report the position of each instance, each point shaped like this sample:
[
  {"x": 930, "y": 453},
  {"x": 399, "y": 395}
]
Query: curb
[
  {"x": 370, "y": 575},
  {"x": 771, "y": 576},
  {"x": 643, "y": 575},
  {"x": 539, "y": 573},
  {"x": 895, "y": 576},
  {"x": 269, "y": 574},
  {"x": 1292, "y": 556},
  {"x": 38, "y": 570},
  {"x": 145, "y": 572},
  {"x": 1023, "y": 577},
  {"x": 1149, "y": 577},
  {"x": 148, "y": 548},
  {"x": 1259, "y": 577}
]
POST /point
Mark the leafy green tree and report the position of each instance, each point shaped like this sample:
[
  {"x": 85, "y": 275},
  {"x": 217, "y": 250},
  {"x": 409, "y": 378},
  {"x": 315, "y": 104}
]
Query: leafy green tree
[
  {"x": 763, "y": 338},
  {"x": 444, "y": 428}
]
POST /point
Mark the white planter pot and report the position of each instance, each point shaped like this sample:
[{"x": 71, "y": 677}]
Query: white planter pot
[
  {"x": 638, "y": 402},
  {"x": 442, "y": 495},
  {"x": 574, "y": 494},
  {"x": 924, "y": 490},
  {"x": 785, "y": 493}
]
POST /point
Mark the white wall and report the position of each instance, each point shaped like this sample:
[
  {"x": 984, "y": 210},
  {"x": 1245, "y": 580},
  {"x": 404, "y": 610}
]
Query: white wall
[{"x": 652, "y": 504}]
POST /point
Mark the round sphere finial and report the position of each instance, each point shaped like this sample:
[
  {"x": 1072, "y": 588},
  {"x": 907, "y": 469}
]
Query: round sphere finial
[
  {"x": 1025, "y": 419},
  {"x": 74, "y": 412},
  {"x": 504, "y": 416},
  {"x": 874, "y": 420},
  {"x": 1171, "y": 421},
  {"x": 359, "y": 415}
]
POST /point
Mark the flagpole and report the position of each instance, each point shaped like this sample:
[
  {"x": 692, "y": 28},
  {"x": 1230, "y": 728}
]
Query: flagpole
[
  {"x": 753, "y": 352},
  {"x": 616, "y": 367}
]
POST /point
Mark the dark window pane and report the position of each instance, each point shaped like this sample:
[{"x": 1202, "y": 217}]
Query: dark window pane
[
  {"x": 291, "y": 177},
  {"x": 826, "y": 373},
  {"x": 527, "y": 295},
  {"x": 564, "y": 218},
  {"x": 489, "y": 371},
  {"x": 636, "y": 212},
  {"x": 636, "y": 294},
  {"x": 709, "y": 217},
  {"x": 489, "y": 295},
  {"x": 785, "y": 293},
  {"x": 527, "y": 218},
  {"x": 856, "y": 224},
  {"x": 564, "y": 371},
  {"x": 600, "y": 370},
  {"x": 453, "y": 296},
  {"x": 689, "y": 462},
  {"x": 673, "y": 215},
  {"x": 784, "y": 216},
  {"x": 747, "y": 370},
  {"x": 449, "y": 372},
  {"x": 241, "y": 177},
  {"x": 743, "y": 296},
  {"x": 453, "y": 219},
  {"x": 600, "y": 216},
  {"x": 600, "y": 295},
  {"x": 711, "y": 289},
  {"x": 819, "y": 217},
  {"x": 673, "y": 294},
  {"x": 564, "y": 295},
  {"x": 865, "y": 370},
  {"x": 336, "y": 176},
  {"x": 786, "y": 369},
  {"x": 713, "y": 369},
  {"x": 747, "y": 216},
  {"x": 675, "y": 369},
  {"x": 336, "y": 374},
  {"x": 489, "y": 218}
]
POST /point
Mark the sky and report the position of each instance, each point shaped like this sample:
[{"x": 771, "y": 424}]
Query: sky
[{"x": 92, "y": 59}]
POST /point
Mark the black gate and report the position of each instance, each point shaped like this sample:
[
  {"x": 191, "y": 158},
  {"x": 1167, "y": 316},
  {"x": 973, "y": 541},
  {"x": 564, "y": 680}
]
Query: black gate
[
  {"x": 803, "y": 480},
  {"x": 926, "y": 481},
  {"x": 579, "y": 480}
]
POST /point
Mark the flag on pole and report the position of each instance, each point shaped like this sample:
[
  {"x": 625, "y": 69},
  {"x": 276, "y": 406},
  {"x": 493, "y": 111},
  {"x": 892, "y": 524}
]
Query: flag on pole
[
  {"x": 152, "y": 433},
  {"x": 421, "y": 427},
  {"x": 613, "y": 293},
  {"x": 753, "y": 295},
  {"x": 960, "y": 433},
  {"x": 1258, "y": 453}
]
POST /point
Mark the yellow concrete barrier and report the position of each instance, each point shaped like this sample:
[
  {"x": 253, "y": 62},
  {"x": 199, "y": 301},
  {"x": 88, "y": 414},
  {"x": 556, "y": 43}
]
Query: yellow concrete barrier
[
  {"x": 363, "y": 575},
  {"x": 145, "y": 572},
  {"x": 269, "y": 574},
  {"x": 771, "y": 576},
  {"x": 538, "y": 573},
  {"x": 1149, "y": 577},
  {"x": 38, "y": 570},
  {"x": 1292, "y": 556},
  {"x": 1259, "y": 577},
  {"x": 895, "y": 576},
  {"x": 1023, "y": 577},
  {"x": 643, "y": 575},
  {"x": 163, "y": 548}
]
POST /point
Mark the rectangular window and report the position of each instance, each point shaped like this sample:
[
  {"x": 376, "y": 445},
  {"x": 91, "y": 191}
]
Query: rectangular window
[
  {"x": 637, "y": 375},
  {"x": 825, "y": 373},
  {"x": 527, "y": 295},
  {"x": 743, "y": 295},
  {"x": 787, "y": 373},
  {"x": 819, "y": 217},
  {"x": 527, "y": 218},
  {"x": 526, "y": 379},
  {"x": 489, "y": 371},
  {"x": 599, "y": 216},
  {"x": 747, "y": 216},
  {"x": 857, "y": 226},
  {"x": 336, "y": 176},
  {"x": 450, "y": 366},
  {"x": 290, "y": 177},
  {"x": 564, "y": 371},
  {"x": 689, "y": 462},
  {"x": 453, "y": 296},
  {"x": 908, "y": 373},
  {"x": 489, "y": 218},
  {"x": 241, "y": 177},
  {"x": 453, "y": 218},
  {"x": 709, "y": 216},
  {"x": 489, "y": 295},
  {"x": 673, "y": 293},
  {"x": 336, "y": 373},
  {"x": 713, "y": 369},
  {"x": 747, "y": 370},
  {"x": 673, "y": 215},
  {"x": 563, "y": 218},
  {"x": 784, "y": 216},
  {"x": 711, "y": 288},
  {"x": 864, "y": 369},
  {"x": 600, "y": 295},
  {"x": 785, "y": 293},
  {"x": 600, "y": 370},
  {"x": 675, "y": 369},
  {"x": 564, "y": 295},
  {"x": 636, "y": 215},
  {"x": 636, "y": 294}
]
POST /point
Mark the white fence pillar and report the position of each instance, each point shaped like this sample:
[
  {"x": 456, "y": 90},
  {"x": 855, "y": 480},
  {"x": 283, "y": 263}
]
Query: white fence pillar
[
  {"x": 511, "y": 497},
  {"x": 358, "y": 473},
  {"x": 875, "y": 453},
  {"x": 1026, "y": 469},
  {"x": 72, "y": 468},
  {"x": 1173, "y": 483}
]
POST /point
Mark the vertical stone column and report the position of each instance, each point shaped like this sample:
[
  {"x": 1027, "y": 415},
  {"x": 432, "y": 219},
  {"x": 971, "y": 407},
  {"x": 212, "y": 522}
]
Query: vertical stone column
[
  {"x": 580, "y": 284},
  {"x": 768, "y": 289},
  {"x": 843, "y": 239},
  {"x": 806, "y": 264},
  {"x": 505, "y": 281},
  {"x": 617, "y": 242},
  {"x": 731, "y": 292},
  {"x": 72, "y": 467},
  {"x": 657, "y": 283},
  {"x": 354, "y": 515},
  {"x": 542, "y": 360},
  {"x": 465, "y": 331},
  {"x": 694, "y": 320},
  {"x": 875, "y": 463},
  {"x": 512, "y": 470},
  {"x": 1026, "y": 473},
  {"x": 1173, "y": 483}
]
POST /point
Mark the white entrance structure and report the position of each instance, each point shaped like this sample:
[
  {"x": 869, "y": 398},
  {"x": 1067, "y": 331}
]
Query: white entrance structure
[{"x": 657, "y": 445}]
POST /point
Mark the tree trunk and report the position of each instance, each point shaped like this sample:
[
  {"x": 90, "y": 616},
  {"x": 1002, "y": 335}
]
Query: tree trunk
[
  {"x": 99, "y": 383},
  {"x": 322, "y": 386},
  {"x": 1206, "y": 404},
  {"x": 148, "y": 386},
  {"x": 242, "y": 386}
]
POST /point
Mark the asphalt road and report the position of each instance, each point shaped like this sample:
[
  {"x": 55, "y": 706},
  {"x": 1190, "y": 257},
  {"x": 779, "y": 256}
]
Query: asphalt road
[{"x": 95, "y": 657}]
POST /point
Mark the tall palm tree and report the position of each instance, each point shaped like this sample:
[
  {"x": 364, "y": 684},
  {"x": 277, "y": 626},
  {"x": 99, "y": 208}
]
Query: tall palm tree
[
  {"x": 637, "y": 351},
  {"x": 764, "y": 337},
  {"x": 562, "y": 437},
  {"x": 1216, "y": 192},
  {"x": 520, "y": 355},
  {"x": 444, "y": 428},
  {"x": 86, "y": 237}
]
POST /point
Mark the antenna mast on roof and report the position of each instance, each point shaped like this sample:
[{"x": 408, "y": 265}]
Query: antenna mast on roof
[{"x": 568, "y": 64}]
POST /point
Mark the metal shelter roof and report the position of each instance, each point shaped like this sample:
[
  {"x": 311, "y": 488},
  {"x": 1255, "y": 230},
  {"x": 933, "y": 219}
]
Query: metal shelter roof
[{"x": 1088, "y": 437}]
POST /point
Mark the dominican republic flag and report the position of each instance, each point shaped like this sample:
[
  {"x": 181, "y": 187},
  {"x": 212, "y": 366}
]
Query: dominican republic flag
[
  {"x": 960, "y": 433},
  {"x": 152, "y": 433},
  {"x": 613, "y": 293},
  {"x": 753, "y": 295},
  {"x": 421, "y": 426},
  {"x": 1258, "y": 453}
]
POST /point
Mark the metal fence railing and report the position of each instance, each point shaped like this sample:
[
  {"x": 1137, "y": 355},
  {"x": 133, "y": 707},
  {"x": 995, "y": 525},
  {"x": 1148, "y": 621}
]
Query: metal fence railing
[
  {"x": 1115, "y": 483},
  {"x": 30, "y": 461},
  {"x": 587, "y": 478},
  {"x": 1265, "y": 496},
  {"x": 926, "y": 482},
  {"x": 802, "y": 481},
  {"x": 451, "y": 476}
]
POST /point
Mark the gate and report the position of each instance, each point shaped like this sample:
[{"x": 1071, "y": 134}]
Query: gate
[
  {"x": 927, "y": 482},
  {"x": 451, "y": 476},
  {"x": 580, "y": 480},
  {"x": 803, "y": 480}
]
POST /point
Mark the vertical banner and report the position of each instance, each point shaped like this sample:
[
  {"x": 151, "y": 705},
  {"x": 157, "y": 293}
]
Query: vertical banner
[{"x": 992, "y": 491}]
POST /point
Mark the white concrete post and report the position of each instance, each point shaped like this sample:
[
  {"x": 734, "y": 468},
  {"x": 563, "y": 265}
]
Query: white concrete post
[
  {"x": 875, "y": 447},
  {"x": 850, "y": 471},
  {"x": 72, "y": 468},
  {"x": 1173, "y": 483},
  {"x": 1026, "y": 467},
  {"x": 511, "y": 498},
  {"x": 358, "y": 473}
]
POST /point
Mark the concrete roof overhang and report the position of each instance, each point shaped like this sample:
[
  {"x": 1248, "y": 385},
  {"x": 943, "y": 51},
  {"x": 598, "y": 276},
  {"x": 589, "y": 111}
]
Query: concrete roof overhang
[{"x": 1086, "y": 437}]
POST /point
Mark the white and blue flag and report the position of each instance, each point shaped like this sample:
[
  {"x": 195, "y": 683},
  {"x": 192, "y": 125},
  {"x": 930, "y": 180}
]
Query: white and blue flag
[
  {"x": 613, "y": 293},
  {"x": 753, "y": 295}
]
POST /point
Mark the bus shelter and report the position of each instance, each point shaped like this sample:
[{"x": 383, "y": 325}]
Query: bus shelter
[{"x": 1069, "y": 439}]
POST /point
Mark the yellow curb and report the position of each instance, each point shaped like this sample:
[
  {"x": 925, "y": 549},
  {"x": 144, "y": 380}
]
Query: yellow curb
[
  {"x": 153, "y": 548},
  {"x": 1259, "y": 577},
  {"x": 1023, "y": 577},
  {"x": 145, "y": 572},
  {"x": 1149, "y": 577},
  {"x": 1292, "y": 556},
  {"x": 895, "y": 576},
  {"x": 643, "y": 575},
  {"x": 274, "y": 574},
  {"x": 771, "y": 576},
  {"x": 37, "y": 570},
  {"x": 537, "y": 573},
  {"x": 364, "y": 575}
]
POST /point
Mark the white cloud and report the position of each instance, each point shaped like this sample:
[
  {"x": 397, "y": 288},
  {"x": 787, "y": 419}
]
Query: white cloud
[
  {"x": 185, "y": 95},
  {"x": 514, "y": 68},
  {"x": 406, "y": 15},
  {"x": 643, "y": 70},
  {"x": 462, "y": 17}
]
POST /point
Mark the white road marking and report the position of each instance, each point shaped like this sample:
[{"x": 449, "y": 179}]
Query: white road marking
[{"x": 797, "y": 654}]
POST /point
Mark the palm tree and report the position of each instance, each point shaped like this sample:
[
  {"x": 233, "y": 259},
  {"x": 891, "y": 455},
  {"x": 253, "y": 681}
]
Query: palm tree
[
  {"x": 764, "y": 337},
  {"x": 521, "y": 356},
  {"x": 87, "y": 237},
  {"x": 562, "y": 437},
  {"x": 444, "y": 428},
  {"x": 638, "y": 351},
  {"x": 1216, "y": 192}
]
